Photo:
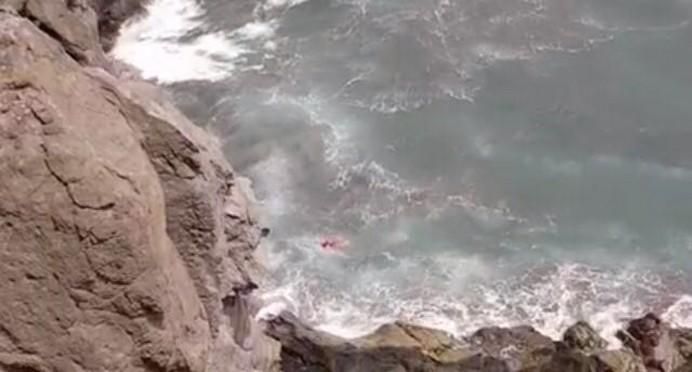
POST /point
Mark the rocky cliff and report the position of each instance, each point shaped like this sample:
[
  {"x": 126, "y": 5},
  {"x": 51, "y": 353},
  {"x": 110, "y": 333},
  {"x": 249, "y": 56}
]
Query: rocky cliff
[{"x": 125, "y": 237}]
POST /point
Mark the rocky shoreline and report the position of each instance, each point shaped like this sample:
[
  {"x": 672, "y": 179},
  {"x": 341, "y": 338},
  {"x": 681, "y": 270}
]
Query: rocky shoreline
[
  {"x": 127, "y": 239},
  {"x": 649, "y": 346}
]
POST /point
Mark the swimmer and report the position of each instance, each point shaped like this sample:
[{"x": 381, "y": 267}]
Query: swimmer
[{"x": 334, "y": 244}]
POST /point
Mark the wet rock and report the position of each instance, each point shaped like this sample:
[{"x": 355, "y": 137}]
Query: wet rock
[
  {"x": 683, "y": 341},
  {"x": 392, "y": 347},
  {"x": 520, "y": 346},
  {"x": 582, "y": 337},
  {"x": 651, "y": 339},
  {"x": 568, "y": 360},
  {"x": 112, "y": 14},
  {"x": 404, "y": 347},
  {"x": 621, "y": 361}
]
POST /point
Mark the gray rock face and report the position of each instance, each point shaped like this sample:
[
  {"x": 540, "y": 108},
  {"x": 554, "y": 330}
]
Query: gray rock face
[{"x": 125, "y": 237}]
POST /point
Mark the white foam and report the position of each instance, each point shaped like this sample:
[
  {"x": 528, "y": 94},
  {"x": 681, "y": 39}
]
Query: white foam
[
  {"x": 257, "y": 30},
  {"x": 170, "y": 45},
  {"x": 550, "y": 299},
  {"x": 679, "y": 314},
  {"x": 270, "y": 4},
  {"x": 152, "y": 44}
]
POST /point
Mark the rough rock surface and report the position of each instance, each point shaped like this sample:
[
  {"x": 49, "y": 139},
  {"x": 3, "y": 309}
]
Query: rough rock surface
[
  {"x": 661, "y": 348},
  {"x": 405, "y": 348},
  {"x": 582, "y": 337},
  {"x": 520, "y": 347},
  {"x": 125, "y": 238},
  {"x": 394, "y": 347},
  {"x": 72, "y": 23},
  {"x": 112, "y": 14}
]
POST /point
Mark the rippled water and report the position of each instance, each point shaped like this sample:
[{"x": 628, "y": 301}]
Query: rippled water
[{"x": 491, "y": 161}]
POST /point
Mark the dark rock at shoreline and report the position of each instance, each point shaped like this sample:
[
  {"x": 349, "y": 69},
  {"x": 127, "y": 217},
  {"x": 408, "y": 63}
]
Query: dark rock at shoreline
[
  {"x": 518, "y": 346},
  {"x": 582, "y": 337},
  {"x": 392, "y": 347},
  {"x": 407, "y": 348},
  {"x": 660, "y": 347}
]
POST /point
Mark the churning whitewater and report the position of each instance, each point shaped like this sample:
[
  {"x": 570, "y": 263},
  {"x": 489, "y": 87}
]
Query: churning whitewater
[{"x": 488, "y": 162}]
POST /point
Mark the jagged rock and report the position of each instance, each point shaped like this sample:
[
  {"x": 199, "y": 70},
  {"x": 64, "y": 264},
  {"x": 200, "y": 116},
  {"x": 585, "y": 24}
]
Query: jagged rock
[
  {"x": 582, "y": 349},
  {"x": 394, "y": 347},
  {"x": 112, "y": 14},
  {"x": 650, "y": 338},
  {"x": 73, "y": 23},
  {"x": 581, "y": 336},
  {"x": 403, "y": 347},
  {"x": 209, "y": 218},
  {"x": 125, "y": 236},
  {"x": 621, "y": 361},
  {"x": 94, "y": 282},
  {"x": 126, "y": 239},
  {"x": 683, "y": 341},
  {"x": 568, "y": 360},
  {"x": 521, "y": 347}
]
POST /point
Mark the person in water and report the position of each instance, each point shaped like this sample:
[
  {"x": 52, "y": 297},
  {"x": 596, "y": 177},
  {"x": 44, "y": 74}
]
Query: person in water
[{"x": 334, "y": 243}]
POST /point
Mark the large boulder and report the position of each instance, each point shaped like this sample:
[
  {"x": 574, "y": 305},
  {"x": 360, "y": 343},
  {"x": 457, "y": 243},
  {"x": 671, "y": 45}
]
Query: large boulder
[
  {"x": 654, "y": 342},
  {"x": 582, "y": 349},
  {"x": 572, "y": 361},
  {"x": 521, "y": 347},
  {"x": 621, "y": 361},
  {"x": 582, "y": 337},
  {"x": 682, "y": 338}
]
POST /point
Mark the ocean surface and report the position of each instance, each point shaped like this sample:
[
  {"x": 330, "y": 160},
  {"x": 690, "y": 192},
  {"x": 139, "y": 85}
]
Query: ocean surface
[{"x": 490, "y": 161}]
